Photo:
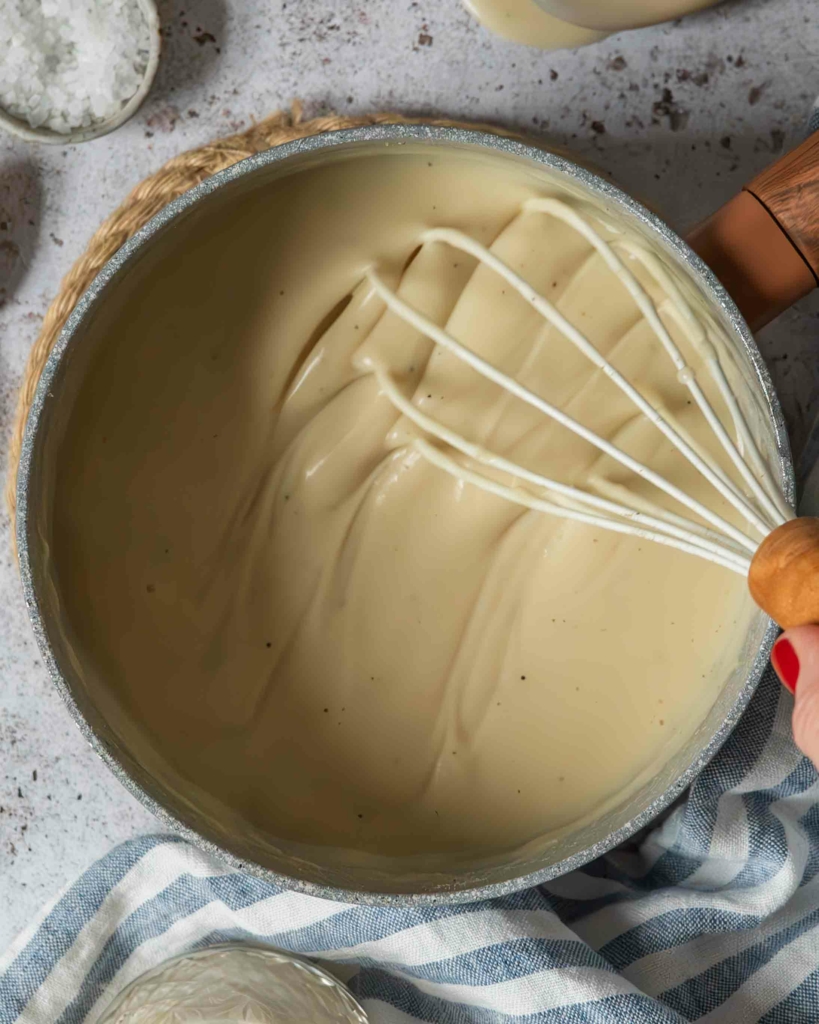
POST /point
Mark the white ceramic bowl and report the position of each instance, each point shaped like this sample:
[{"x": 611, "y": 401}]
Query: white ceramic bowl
[{"x": 22, "y": 129}]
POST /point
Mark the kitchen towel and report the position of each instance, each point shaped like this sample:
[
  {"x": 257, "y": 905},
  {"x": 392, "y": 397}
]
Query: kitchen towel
[{"x": 714, "y": 917}]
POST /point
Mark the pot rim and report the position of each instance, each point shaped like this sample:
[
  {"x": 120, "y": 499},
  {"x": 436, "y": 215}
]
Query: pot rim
[{"x": 389, "y": 134}]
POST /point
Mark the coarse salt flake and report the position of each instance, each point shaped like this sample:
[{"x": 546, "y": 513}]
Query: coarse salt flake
[{"x": 70, "y": 64}]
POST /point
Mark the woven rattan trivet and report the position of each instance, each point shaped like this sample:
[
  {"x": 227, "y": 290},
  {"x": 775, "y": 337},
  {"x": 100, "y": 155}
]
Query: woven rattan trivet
[{"x": 177, "y": 176}]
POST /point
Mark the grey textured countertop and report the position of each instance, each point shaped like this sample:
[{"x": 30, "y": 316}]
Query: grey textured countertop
[{"x": 681, "y": 115}]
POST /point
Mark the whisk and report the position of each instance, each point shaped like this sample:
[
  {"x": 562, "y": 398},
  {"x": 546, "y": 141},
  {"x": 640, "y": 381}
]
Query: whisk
[{"x": 779, "y": 553}]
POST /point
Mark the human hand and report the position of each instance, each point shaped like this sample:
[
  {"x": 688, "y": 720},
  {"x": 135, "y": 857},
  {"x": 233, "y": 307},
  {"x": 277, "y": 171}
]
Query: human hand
[{"x": 796, "y": 660}]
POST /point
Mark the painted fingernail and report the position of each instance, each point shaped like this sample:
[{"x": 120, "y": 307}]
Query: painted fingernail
[{"x": 786, "y": 663}]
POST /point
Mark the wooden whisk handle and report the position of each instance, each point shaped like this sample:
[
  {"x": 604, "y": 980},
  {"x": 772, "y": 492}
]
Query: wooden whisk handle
[
  {"x": 764, "y": 247},
  {"x": 784, "y": 574}
]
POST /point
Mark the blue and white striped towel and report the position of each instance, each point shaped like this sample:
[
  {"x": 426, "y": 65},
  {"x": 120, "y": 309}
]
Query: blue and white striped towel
[{"x": 715, "y": 918}]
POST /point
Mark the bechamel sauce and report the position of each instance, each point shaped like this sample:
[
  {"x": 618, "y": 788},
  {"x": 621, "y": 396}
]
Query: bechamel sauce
[
  {"x": 615, "y": 15},
  {"x": 308, "y": 623},
  {"x": 566, "y": 24},
  {"x": 522, "y": 21}
]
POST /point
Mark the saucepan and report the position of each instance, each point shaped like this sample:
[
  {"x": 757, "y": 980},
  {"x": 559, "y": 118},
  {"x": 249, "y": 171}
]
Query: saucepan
[{"x": 751, "y": 260}]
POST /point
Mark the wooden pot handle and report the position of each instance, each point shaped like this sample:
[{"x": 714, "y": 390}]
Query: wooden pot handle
[{"x": 763, "y": 245}]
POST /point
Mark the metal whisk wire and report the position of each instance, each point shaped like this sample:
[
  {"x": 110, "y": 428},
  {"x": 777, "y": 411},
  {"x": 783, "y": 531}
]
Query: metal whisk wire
[{"x": 721, "y": 542}]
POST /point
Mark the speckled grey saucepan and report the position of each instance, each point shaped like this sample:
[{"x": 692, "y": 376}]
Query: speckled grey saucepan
[{"x": 310, "y": 870}]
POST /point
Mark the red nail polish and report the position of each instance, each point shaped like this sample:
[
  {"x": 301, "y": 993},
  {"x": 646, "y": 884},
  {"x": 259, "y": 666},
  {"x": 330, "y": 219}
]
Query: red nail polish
[{"x": 786, "y": 663}]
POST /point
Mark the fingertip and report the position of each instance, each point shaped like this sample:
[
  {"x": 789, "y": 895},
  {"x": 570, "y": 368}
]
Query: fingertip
[
  {"x": 785, "y": 661},
  {"x": 795, "y": 657}
]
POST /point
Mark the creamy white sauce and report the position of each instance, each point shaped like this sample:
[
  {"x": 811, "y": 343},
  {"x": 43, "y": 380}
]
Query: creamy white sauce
[
  {"x": 566, "y": 24},
  {"x": 314, "y": 630},
  {"x": 615, "y": 15},
  {"x": 523, "y": 21}
]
